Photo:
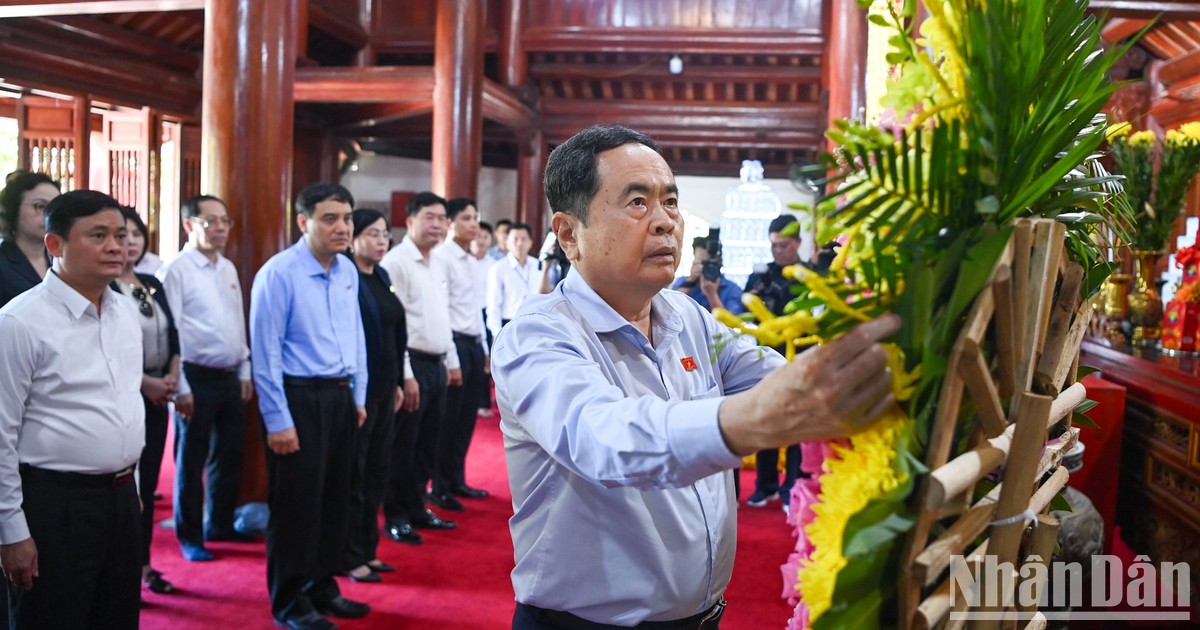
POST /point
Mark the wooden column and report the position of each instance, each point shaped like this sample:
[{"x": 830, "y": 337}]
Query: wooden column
[
  {"x": 83, "y": 142},
  {"x": 458, "y": 97},
  {"x": 845, "y": 66},
  {"x": 367, "y": 17},
  {"x": 514, "y": 66},
  {"x": 531, "y": 198},
  {"x": 246, "y": 154}
]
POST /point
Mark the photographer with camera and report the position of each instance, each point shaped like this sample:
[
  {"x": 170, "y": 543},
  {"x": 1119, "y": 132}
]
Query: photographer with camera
[{"x": 705, "y": 283}]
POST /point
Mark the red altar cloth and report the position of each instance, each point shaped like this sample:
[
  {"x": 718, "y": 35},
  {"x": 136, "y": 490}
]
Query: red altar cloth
[{"x": 1102, "y": 457}]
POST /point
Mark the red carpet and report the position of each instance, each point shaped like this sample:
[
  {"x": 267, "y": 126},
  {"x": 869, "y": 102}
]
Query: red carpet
[{"x": 457, "y": 580}]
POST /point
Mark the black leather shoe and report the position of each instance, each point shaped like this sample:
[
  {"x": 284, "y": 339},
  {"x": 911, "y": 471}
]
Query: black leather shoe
[
  {"x": 370, "y": 577},
  {"x": 310, "y": 621},
  {"x": 236, "y": 537},
  {"x": 344, "y": 608},
  {"x": 446, "y": 502},
  {"x": 403, "y": 533},
  {"x": 379, "y": 566},
  {"x": 467, "y": 492},
  {"x": 432, "y": 521}
]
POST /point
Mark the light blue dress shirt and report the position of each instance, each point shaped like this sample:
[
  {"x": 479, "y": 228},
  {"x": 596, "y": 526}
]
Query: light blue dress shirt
[
  {"x": 304, "y": 322},
  {"x": 622, "y": 488}
]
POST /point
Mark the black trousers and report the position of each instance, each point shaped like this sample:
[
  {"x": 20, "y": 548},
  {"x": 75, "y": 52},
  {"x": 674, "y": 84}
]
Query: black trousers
[
  {"x": 527, "y": 617},
  {"x": 89, "y": 542},
  {"x": 369, "y": 482},
  {"x": 415, "y": 444},
  {"x": 462, "y": 408},
  {"x": 309, "y": 495},
  {"x": 211, "y": 440},
  {"x": 149, "y": 467},
  {"x": 766, "y": 464}
]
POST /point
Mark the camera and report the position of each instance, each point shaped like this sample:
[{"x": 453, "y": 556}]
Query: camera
[{"x": 711, "y": 269}]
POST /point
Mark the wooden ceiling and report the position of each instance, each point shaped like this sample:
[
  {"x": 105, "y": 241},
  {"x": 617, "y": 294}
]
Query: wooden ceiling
[{"x": 751, "y": 85}]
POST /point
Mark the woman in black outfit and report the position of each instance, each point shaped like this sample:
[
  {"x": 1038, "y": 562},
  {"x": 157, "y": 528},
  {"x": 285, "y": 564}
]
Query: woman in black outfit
[
  {"x": 160, "y": 376},
  {"x": 387, "y": 340},
  {"x": 23, "y": 257}
]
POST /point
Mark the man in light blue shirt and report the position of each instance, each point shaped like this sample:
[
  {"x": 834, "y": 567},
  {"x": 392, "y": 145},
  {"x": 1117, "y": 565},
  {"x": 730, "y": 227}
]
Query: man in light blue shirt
[
  {"x": 620, "y": 408},
  {"x": 310, "y": 369}
]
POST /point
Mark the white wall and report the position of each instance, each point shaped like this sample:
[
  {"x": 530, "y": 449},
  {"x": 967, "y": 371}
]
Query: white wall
[
  {"x": 378, "y": 175},
  {"x": 703, "y": 198}
]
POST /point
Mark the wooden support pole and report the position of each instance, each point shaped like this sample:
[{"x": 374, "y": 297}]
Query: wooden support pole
[
  {"x": 1061, "y": 316},
  {"x": 1019, "y": 471},
  {"x": 983, "y": 392},
  {"x": 1006, "y": 344},
  {"x": 458, "y": 97}
]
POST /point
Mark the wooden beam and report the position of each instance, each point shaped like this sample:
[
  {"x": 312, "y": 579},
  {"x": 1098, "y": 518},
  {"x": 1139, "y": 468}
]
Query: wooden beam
[
  {"x": 363, "y": 85},
  {"x": 1146, "y": 9},
  {"x": 732, "y": 125},
  {"x": 369, "y": 115},
  {"x": 36, "y": 8},
  {"x": 1179, "y": 69},
  {"x": 97, "y": 39},
  {"x": 501, "y": 105},
  {"x": 37, "y": 67},
  {"x": 672, "y": 41},
  {"x": 659, "y": 72},
  {"x": 337, "y": 24},
  {"x": 1117, "y": 29}
]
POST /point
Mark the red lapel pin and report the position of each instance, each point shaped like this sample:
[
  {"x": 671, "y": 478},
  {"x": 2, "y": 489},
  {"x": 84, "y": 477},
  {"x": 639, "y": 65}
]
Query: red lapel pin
[{"x": 689, "y": 364}]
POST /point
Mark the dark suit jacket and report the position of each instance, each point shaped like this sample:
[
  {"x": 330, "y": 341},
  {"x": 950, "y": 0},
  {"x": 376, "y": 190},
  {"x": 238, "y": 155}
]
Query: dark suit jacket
[{"x": 16, "y": 274}]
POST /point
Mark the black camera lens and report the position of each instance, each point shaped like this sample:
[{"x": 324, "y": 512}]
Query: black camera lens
[{"x": 711, "y": 270}]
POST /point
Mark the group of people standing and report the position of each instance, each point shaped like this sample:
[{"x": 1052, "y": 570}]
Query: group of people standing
[{"x": 369, "y": 365}]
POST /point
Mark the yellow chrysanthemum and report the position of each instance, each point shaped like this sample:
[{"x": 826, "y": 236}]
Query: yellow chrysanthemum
[
  {"x": 1142, "y": 138},
  {"x": 859, "y": 473},
  {"x": 1119, "y": 130}
]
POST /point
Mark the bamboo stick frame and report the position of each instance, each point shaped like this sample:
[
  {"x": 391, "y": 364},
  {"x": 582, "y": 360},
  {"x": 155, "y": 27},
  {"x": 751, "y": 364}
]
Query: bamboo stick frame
[{"x": 1036, "y": 320}]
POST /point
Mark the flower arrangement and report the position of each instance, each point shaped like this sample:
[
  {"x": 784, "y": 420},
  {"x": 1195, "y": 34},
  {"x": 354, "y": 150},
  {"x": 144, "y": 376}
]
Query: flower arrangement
[
  {"x": 927, "y": 209},
  {"x": 1155, "y": 195}
]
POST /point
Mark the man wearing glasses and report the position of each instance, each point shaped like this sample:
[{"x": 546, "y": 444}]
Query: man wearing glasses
[{"x": 205, "y": 295}]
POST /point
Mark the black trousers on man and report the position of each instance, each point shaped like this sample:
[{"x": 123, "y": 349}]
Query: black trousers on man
[
  {"x": 369, "y": 483},
  {"x": 415, "y": 444},
  {"x": 309, "y": 496},
  {"x": 88, "y": 537},
  {"x": 211, "y": 440},
  {"x": 766, "y": 464},
  {"x": 148, "y": 468},
  {"x": 462, "y": 409}
]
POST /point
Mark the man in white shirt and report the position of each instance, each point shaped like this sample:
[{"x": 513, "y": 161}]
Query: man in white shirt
[
  {"x": 623, "y": 417},
  {"x": 512, "y": 279},
  {"x": 466, "y": 322},
  {"x": 205, "y": 295},
  {"x": 432, "y": 365},
  {"x": 500, "y": 249},
  {"x": 72, "y": 426}
]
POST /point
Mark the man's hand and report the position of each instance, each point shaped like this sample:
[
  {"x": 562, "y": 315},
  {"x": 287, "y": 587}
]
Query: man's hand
[
  {"x": 830, "y": 391},
  {"x": 19, "y": 562},
  {"x": 362, "y": 416},
  {"x": 247, "y": 390},
  {"x": 454, "y": 378},
  {"x": 412, "y": 394},
  {"x": 184, "y": 406},
  {"x": 284, "y": 442},
  {"x": 399, "y": 398},
  {"x": 156, "y": 389},
  {"x": 711, "y": 290}
]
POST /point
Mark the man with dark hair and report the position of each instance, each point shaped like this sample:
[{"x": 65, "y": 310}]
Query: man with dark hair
[
  {"x": 500, "y": 249},
  {"x": 205, "y": 296},
  {"x": 421, "y": 284},
  {"x": 620, "y": 431},
  {"x": 512, "y": 279},
  {"x": 775, "y": 290},
  {"x": 72, "y": 426},
  {"x": 710, "y": 290},
  {"x": 310, "y": 370},
  {"x": 466, "y": 323}
]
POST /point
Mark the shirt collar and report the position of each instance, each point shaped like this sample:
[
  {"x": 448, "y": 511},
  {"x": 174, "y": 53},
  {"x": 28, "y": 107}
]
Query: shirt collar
[
  {"x": 310, "y": 263},
  {"x": 198, "y": 257},
  {"x": 602, "y": 318},
  {"x": 75, "y": 302},
  {"x": 409, "y": 247},
  {"x": 512, "y": 260}
]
